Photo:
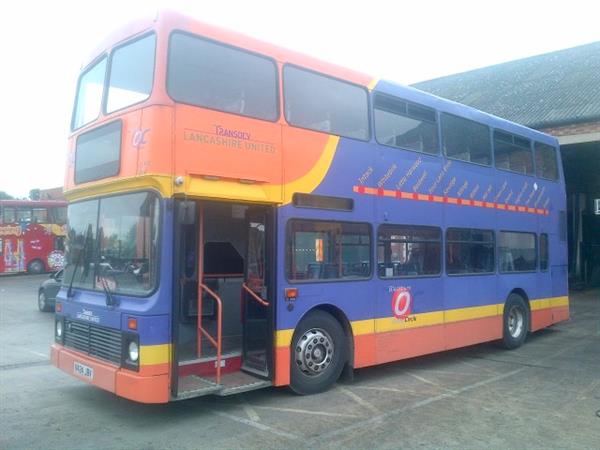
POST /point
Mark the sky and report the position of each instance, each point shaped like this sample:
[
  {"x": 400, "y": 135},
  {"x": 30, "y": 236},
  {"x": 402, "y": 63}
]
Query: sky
[{"x": 43, "y": 45}]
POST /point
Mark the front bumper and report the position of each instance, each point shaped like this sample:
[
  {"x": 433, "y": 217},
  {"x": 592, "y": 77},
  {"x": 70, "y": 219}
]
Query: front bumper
[{"x": 122, "y": 382}]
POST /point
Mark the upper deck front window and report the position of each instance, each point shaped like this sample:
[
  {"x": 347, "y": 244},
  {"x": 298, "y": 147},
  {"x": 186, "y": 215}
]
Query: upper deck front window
[
  {"x": 89, "y": 95},
  {"x": 130, "y": 78},
  {"x": 131, "y": 73}
]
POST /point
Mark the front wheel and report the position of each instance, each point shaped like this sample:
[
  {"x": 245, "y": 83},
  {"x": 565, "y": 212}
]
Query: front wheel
[
  {"x": 319, "y": 352},
  {"x": 516, "y": 322},
  {"x": 43, "y": 303}
]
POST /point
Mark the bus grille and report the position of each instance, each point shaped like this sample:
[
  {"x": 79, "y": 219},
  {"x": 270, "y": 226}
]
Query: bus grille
[{"x": 103, "y": 343}]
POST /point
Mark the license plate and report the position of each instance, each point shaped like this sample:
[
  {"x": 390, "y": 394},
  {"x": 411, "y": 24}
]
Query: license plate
[{"x": 83, "y": 370}]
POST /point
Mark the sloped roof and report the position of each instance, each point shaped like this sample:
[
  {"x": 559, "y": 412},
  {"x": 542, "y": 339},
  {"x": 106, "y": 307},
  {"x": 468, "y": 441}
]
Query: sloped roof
[{"x": 552, "y": 89}]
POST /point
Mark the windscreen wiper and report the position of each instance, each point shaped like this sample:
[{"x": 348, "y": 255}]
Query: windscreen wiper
[
  {"x": 70, "y": 291},
  {"x": 110, "y": 301},
  {"x": 81, "y": 251}
]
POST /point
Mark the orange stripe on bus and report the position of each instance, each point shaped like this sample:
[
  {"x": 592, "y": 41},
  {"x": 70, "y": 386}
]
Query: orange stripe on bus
[{"x": 380, "y": 192}]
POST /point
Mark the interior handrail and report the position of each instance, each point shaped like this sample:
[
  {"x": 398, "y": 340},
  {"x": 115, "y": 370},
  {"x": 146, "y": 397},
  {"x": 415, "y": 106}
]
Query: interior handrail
[
  {"x": 202, "y": 331},
  {"x": 254, "y": 296}
]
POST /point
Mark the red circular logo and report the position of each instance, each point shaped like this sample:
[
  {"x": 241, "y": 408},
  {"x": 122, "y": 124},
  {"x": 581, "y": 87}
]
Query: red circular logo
[{"x": 401, "y": 303}]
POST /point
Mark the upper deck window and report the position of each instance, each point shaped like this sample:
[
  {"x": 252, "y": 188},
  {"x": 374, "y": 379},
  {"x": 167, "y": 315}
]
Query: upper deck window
[
  {"x": 217, "y": 76},
  {"x": 89, "y": 95},
  {"x": 405, "y": 125},
  {"x": 466, "y": 140},
  {"x": 513, "y": 153},
  {"x": 131, "y": 73},
  {"x": 545, "y": 161},
  {"x": 322, "y": 103}
]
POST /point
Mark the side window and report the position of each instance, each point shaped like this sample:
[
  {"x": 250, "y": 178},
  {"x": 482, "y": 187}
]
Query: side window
[
  {"x": 466, "y": 140},
  {"x": 59, "y": 215},
  {"x": 517, "y": 251},
  {"x": 408, "y": 251},
  {"x": 10, "y": 215},
  {"x": 545, "y": 161},
  {"x": 405, "y": 125},
  {"x": 469, "y": 251},
  {"x": 322, "y": 103},
  {"x": 562, "y": 225},
  {"x": 89, "y": 95},
  {"x": 544, "y": 252},
  {"x": 40, "y": 215},
  {"x": 217, "y": 76},
  {"x": 320, "y": 250},
  {"x": 513, "y": 153},
  {"x": 23, "y": 215}
]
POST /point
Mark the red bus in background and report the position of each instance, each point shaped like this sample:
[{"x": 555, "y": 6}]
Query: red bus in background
[{"x": 32, "y": 235}]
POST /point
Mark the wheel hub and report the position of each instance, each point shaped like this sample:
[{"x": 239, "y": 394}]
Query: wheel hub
[
  {"x": 314, "y": 351},
  {"x": 516, "y": 321}
]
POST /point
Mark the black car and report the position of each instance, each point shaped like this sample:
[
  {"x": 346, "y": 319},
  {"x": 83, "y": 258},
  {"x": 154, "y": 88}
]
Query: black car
[{"x": 48, "y": 290}]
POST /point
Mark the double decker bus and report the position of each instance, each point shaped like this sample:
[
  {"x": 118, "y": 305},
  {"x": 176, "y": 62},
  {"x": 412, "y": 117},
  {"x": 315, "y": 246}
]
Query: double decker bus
[
  {"x": 32, "y": 234},
  {"x": 244, "y": 216}
]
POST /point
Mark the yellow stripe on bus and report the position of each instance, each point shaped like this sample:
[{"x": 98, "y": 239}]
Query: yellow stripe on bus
[
  {"x": 155, "y": 354},
  {"x": 473, "y": 312},
  {"x": 309, "y": 182},
  {"x": 283, "y": 338},
  {"x": 372, "y": 84},
  {"x": 162, "y": 183},
  {"x": 413, "y": 321}
]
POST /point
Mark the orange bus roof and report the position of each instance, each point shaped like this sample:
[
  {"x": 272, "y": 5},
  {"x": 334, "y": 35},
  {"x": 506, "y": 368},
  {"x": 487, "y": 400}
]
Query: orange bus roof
[{"x": 166, "y": 21}]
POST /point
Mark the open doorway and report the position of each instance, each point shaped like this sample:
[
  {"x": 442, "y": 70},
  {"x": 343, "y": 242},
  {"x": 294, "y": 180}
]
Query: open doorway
[{"x": 223, "y": 253}]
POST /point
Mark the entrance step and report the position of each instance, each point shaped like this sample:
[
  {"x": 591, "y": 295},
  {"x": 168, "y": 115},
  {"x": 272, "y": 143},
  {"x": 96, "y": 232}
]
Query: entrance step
[
  {"x": 232, "y": 383},
  {"x": 206, "y": 367},
  {"x": 195, "y": 386},
  {"x": 237, "y": 382}
]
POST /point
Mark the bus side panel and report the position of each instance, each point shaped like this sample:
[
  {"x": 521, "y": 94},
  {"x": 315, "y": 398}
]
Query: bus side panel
[
  {"x": 419, "y": 329},
  {"x": 353, "y": 297}
]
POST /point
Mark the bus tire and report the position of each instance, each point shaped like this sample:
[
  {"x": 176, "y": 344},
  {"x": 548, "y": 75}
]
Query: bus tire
[
  {"x": 43, "y": 303},
  {"x": 515, "y": 322},
  {"x": 319, "y": 352},
  {"x": 35, "y": 267}
]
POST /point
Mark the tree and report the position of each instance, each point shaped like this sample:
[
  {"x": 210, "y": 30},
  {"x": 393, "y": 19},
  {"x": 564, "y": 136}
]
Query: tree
[
  {"x": 5, "y": 196},
  {"x": 34, "y": 194}
]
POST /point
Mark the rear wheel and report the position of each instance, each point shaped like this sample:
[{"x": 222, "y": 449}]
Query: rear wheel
[
  {"x": 35, "y": 267},
  {"x": 516, "y": 322},
  {"x": 43, "y": 303},
  {"x": 319, "y": 352}
]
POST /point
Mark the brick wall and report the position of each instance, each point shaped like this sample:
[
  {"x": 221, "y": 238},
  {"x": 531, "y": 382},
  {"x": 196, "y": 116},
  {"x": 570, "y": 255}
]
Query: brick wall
[{"x": 574, "y": 129}]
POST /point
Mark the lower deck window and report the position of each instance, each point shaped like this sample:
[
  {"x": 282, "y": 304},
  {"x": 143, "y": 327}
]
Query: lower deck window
[
  {"x": 322, "y": 250},
  {"x": 517, "y": 251},
  {"x": 469, "y": 251},
  {"x": 408, "y": 251}
]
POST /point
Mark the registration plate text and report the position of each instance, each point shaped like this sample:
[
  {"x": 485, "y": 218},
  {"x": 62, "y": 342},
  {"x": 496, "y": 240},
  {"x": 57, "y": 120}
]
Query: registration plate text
[{"x": 83, "y": 370}]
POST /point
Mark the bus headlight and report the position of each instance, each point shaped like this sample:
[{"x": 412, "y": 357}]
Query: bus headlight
[
  {"x": 59, "y": 329},
  {"x": 134, "y": 351}
]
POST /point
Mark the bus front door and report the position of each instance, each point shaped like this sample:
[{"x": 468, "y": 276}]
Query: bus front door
[{"x": 256, "y": 298}]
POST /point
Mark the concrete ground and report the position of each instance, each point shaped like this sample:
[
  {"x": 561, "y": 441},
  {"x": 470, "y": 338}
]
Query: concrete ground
[{"x": 544, "y": 395}]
